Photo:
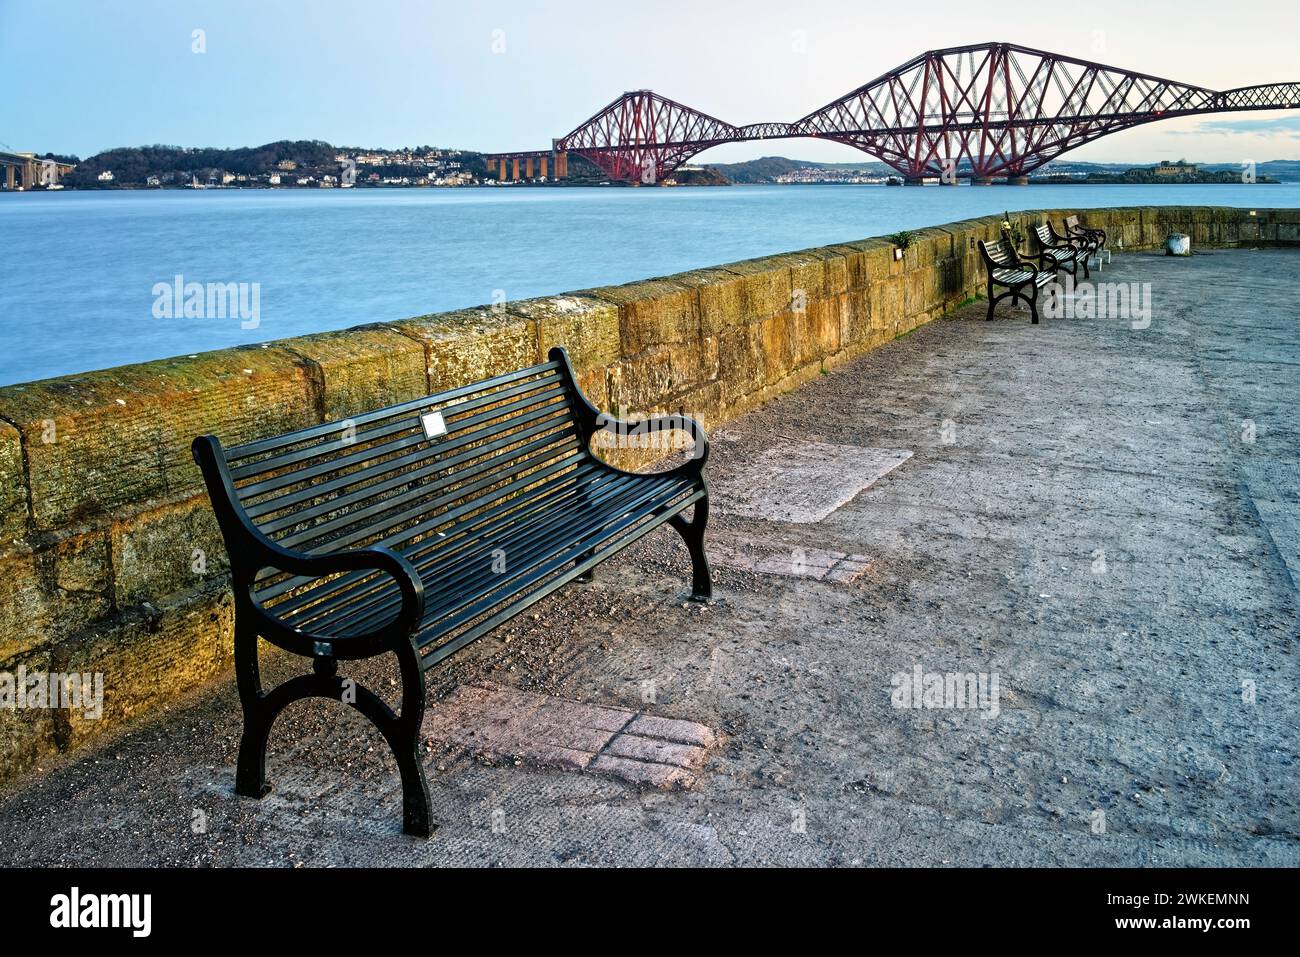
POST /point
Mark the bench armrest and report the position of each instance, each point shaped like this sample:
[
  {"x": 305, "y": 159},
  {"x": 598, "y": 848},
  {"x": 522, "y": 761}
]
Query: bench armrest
[
  {"x": 251, "y": 552},
  {"x": 630, "y": 428},
  {"x": 377, "y": 559},
  {"x": 592, "y": 421},
  {"x": 1042, "y": 255}
]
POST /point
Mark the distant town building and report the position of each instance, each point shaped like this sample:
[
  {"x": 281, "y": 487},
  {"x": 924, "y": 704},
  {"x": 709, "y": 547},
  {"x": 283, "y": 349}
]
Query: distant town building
[
  {"x": 106, "y": 176},
  {"x": 286, "y": 165},
  {"x": 1180, "y": 168}
]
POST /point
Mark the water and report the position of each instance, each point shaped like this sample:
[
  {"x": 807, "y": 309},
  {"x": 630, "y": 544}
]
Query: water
[{"x": 78, "y": 270}]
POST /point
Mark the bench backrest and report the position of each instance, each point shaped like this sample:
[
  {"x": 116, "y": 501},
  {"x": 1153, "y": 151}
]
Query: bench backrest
[
  {"x": 396, "y": 475},
  {"x": 999, "y": 254},
  {"x": 1045, "y": 234}
]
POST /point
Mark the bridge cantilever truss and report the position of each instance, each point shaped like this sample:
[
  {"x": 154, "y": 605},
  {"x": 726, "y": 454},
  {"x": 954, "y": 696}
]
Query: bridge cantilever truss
[{"x": 988, "y": 110}]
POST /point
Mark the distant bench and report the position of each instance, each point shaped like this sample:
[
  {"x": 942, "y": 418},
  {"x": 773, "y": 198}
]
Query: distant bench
[
  {"x": 1018, "y": 275},
  {"x": 1057, "y": 252},
  {"x": 418, "y": 528},
  {"x": 1093, "y": 240}
]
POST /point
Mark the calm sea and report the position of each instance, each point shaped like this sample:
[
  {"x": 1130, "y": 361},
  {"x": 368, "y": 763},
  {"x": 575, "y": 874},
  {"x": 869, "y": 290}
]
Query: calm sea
[{"x": 79, "y": 270}]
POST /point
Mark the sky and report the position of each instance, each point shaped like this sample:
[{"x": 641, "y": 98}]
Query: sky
[{"x": 81, "y": 76}]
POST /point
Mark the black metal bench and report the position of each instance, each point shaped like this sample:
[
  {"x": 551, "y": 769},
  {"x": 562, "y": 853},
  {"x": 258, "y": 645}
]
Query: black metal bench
[
  {"x": 1074, "y": 228},
  {"x": 1057, "y": 252},
  {"x": 1091, "y": 240},
  {"x": 418, "y": 528},
  {"x": 1006, "y": 268}
]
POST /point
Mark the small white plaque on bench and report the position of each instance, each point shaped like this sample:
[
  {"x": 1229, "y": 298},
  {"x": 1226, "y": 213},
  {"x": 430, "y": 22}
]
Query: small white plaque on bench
[{"x": 433, "y": 425}]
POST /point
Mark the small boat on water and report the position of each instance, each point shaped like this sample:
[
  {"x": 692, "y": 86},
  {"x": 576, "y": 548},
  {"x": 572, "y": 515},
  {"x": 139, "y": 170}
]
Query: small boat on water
[{"x": 893, "y": 181}]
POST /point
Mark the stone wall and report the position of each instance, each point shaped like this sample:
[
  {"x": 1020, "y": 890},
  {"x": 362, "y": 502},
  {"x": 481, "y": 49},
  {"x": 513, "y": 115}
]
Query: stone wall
[{"x": 110, "y": 560}]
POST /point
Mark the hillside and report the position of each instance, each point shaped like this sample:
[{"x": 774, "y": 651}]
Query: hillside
[
  {"x": 768, "y": 168},
  {"x": 178, "y": 165}
]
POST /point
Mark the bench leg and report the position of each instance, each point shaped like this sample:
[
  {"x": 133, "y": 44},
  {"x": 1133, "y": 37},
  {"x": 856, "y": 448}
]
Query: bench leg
[
  {"x": 589, "y": 575},
  {"x": 403, "y": 736},
  {"x": 692, "y": 533},
  {"x": 993, "y": 301},
  {"x": 250, "y": 768},
  {"x": 402, "y": 732}
]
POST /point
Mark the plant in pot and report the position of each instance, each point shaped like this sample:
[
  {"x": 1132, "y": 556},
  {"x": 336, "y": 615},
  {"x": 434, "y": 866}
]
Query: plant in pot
[
  {"x": 901, "y": 240},
  {"x": 1011, "y": 231}
]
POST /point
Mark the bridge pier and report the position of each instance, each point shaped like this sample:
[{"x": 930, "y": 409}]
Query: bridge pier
[
  {"x": 913, "y": 181},
  {"x": 1017, "y": 180},
  {"x": 9, "y": 177},
  {"x": 981, "y": 180},
  {"x": 527, "y": 167}
]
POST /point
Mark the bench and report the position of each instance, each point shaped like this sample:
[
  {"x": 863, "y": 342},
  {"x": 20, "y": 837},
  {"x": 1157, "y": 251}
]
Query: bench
[
  {"x": 1008, "y": 269},
  {"x": 1057, "y": 252},
  {"x": 1093, "y": 239},
  {"x": 418, "y": 528}
]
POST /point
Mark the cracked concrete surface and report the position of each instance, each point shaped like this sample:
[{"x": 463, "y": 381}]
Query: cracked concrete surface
[{"x": 1108, "y": 519}]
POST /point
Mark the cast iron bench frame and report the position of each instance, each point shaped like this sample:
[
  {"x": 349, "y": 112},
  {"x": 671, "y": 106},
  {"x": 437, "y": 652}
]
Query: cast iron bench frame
[
  {"x": 1059, "y": 251},
  {"x": 1007, "y": 268},
  {"x": 357, "y": 597},
  {"x": 1075, "y": 228},
  {"x": 1092, "y": 240}
]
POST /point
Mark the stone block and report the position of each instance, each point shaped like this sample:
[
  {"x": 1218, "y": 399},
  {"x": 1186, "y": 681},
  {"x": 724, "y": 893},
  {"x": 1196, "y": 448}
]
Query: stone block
[
  {"x": 653, "y": 313},
  {"x": 819, "y": 328},
  {"x": 173, "y": 549},
  {"x": 653, "y": 378},
  {"x": 117, "y": 438},
  {"x": 586, "y": 326},
  {"x": 473, "y": 344},
  {"x": 150, "y": 662},
  {"x": 28, "y": 736},
  {"x": 779, "y": 336},
  {"x": 51, "y": 592},
  {"x": 765, "y": 286},
  {"x": 741, "y": 362},
  {"x": 359, "y": 370},
  {"x": 13, "y": 489}
]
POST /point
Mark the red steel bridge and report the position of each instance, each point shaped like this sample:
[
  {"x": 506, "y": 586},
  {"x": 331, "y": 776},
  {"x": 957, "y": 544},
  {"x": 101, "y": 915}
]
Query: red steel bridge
[{"x": 985, "y": 111}]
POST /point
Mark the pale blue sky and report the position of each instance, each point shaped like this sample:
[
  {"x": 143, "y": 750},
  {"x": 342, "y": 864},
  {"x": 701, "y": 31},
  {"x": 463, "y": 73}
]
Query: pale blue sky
[{"x": 81, "y": 76}]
